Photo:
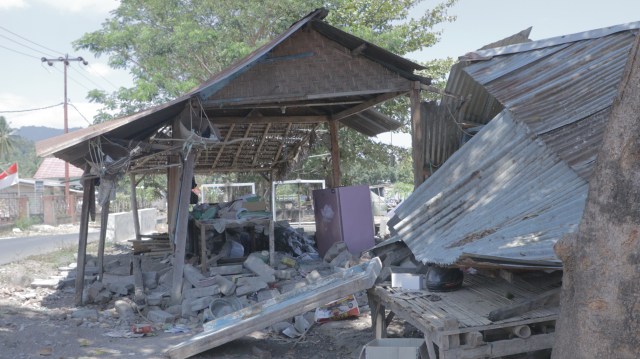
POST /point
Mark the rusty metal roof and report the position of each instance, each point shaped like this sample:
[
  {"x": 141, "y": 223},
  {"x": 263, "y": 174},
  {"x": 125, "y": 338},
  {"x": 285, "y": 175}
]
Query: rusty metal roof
[
  {"x": 262, "y": 112},
  {"x": 52, "y": 167},
  {"x": 521, "y": 183}
]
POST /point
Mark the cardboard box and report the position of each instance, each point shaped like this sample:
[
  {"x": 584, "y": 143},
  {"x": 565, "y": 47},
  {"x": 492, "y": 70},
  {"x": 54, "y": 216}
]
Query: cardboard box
[
  {"x": 395, "y": 348},
  {"x": 412, "y": 281}
]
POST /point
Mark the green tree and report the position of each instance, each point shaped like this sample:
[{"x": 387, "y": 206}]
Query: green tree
[{"x": 7, "y": 140}]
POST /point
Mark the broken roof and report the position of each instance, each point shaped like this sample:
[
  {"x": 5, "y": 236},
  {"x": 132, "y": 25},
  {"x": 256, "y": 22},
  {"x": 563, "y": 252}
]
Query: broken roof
[
  {"x": 260, "y": 113},
  {"x": 520, "y": 184}
]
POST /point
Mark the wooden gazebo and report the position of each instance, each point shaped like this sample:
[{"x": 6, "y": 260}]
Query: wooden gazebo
[{"x": 258, "y": 115}]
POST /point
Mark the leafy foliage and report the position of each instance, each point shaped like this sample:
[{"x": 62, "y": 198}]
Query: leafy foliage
[{"x": 14, "y": 148}]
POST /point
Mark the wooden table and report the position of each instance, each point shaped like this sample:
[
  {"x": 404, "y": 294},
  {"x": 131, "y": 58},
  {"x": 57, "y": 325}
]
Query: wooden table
[
  {"x": 206, "y": 225},
  {"x": 455, "y": 324}
]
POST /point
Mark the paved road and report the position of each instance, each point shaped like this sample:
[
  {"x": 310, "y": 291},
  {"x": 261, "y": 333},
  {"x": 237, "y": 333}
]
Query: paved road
[{"x": 14, "y": 248}]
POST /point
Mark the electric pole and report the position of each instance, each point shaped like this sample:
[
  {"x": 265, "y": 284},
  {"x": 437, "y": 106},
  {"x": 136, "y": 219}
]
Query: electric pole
[{"x": 65, "y": 60}]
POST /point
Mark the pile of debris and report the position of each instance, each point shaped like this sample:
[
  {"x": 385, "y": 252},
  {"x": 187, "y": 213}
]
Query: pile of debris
[{"x": 141, "y": 284}]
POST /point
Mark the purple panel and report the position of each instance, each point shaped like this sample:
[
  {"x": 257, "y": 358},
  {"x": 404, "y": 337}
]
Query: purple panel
[
  {"x": 328, "y": 220},
  {"x": 357, "y": 218}
]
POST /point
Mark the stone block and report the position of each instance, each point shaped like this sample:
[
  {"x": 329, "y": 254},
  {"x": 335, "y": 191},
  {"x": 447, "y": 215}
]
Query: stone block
[
  {"x": 226, "y": 270},
  {"x": 195, "y": 293}
]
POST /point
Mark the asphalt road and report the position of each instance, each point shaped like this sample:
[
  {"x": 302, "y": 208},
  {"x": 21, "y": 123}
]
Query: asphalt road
[{"x": 15, "y": 248}]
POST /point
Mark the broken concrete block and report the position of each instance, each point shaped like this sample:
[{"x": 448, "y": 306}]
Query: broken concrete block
[
  {"x": 280, "y": 326},
  {"x": 93, "y": 290},
  {"x": 251, "y": 287},
  {"x": 301, "y": 324},
  {"x": 193, "y": 275},
  {"x": 313, "y": 277},
  {"x": 154, "y": 298},
  {"x": 150, "y": 279},
  {"x": 284, "y": 273},
  {"x": 121, "y": 289},
  {"x": 176, "y": 310},
  {"x": 200, "y": 303},
  {"x": 85, "y": 314},
  {"x": 103, "y": 297},
  {"x": 117, "y": 279},
  {"x": 342, "y": 260},
  {"x": 291, "y": 285},
  {"x": 125, "y": 309},
  {"x": 227, "y": 287},
  {"x": 186, "y": 311},
  {"x": 166, "y": 279},
  {"x": 160, "y": 316},
  {"x": 53, "y": 283},
  {"x": 335, "y": 249},
  {"x": 255, "y": 264},
  {"x": 226, "y": 270},
  {"x": 195, "y": 293}
]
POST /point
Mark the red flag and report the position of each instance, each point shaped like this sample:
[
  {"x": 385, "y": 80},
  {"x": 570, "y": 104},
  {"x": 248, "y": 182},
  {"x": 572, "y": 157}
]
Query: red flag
[{"x": 9, "y": 177}]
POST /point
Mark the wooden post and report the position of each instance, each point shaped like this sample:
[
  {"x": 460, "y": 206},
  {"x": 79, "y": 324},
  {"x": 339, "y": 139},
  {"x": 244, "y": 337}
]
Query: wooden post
[
  {"x": 88, "y": 187},
  {"x": 134, "y": 205},
  {"x": 173, "y": 189},
  {"x": 417, "y": 135},
  {"x": 335, "y": 154},
  {"x": 272, "y": 237},
  {"x": 181, "y": 228},
  {"x": 104, "y": 218}
]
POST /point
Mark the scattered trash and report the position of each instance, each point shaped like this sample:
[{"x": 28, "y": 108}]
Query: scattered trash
[
  {"x": 123, "y": 333},
  {"x": 178, "y": 328},
  {"x": 344, "y": 308}
]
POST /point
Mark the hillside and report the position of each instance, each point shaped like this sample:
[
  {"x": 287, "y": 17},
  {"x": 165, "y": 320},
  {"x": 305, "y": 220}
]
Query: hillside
[{"x": 37, "y": 133}]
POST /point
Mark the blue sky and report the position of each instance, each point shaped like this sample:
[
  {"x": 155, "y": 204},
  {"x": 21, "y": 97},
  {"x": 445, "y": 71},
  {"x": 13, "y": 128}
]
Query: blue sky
[{"x": 26, "y": 83}]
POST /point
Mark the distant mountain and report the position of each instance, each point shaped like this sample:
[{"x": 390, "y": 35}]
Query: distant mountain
[{"x": 38, "y": 133}]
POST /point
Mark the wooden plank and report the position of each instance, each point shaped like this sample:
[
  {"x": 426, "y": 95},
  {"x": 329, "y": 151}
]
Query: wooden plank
[
  {"x": 502, "y": 347},
  {"x": 551, "y": 298},
  {"x": 134, "y": 205},
  {"x": 181, "y": 228},
  {"x": 417, "y": 138},
  {"x": 335, "y": 154},
  {"x": 104, "y": 218},
  {"x": 226, "y": 139},
  {"x": 203, "y": 248},
  {"x": 282, "y": 307},
  {"x": 262, "y": 141},
  {"x": 239, "y": 151},
  {"x": 138, "y": 282},
  {"x": 88, "y": 187},
  {"x": 272, "y": 243}
]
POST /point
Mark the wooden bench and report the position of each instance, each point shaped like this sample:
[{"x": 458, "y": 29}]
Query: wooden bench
[{"x": 455, "y": 324}]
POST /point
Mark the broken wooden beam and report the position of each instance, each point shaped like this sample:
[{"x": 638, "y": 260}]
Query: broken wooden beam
[
  {"x": 282, "y": 307},
  {"x": 550, "y": 298}
]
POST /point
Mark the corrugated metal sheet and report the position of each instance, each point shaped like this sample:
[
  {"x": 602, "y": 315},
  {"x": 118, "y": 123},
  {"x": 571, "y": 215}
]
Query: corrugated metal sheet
[
  {"x": 52, "y": 167},
  {"x": 504, "y": 194},
  {"x": 521, "y": 183}
]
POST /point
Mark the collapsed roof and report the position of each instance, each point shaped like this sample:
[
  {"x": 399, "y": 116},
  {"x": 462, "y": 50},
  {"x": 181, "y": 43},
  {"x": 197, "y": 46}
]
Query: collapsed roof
[{"x": 507, "y": 195}]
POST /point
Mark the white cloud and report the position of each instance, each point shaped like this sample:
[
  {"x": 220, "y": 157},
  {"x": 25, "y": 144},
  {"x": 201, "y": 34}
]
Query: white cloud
[
  {"x": 99, "y": 69},
  {"x": 12, "y": 4},
  {"x": 76, "y": 6}
]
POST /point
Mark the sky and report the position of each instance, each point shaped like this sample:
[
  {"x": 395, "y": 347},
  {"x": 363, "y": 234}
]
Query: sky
[{"x": 32, "y": 29}]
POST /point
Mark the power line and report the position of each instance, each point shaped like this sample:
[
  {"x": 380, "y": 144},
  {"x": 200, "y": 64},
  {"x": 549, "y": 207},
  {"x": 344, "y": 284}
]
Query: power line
[
  {"x": 20, "y": 52},
  {"x": 73, "y": 79},
  {"x": 80, "y": 113},
  {"x": 32, "y": 109},
  {"x": 24, "y": 38},
  {"x": 88, "y": 79},
  {"x": 104, "y": 78},
  {"x": 19, "y": 43}
]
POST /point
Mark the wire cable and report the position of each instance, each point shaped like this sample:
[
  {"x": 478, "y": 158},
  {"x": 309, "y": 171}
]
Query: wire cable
[
  {"x": 104, "y": 78},
  {"x": 25, "y": 39},
  {"x": 21, "y": 44},
  {"x": 31, "y": 109},
  {"x": 90, "y": 80},
  {"x": 19, "y": 52},
  {"x": 80, "y": 113}
]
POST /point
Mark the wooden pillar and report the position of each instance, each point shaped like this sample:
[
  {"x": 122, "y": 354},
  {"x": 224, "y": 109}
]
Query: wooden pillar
[
  {"x": 335, "y": 154},
  {"x": 417, "y": 135},
  {"x": 134, "y": 205},
  {"x": 181, "y": 228},
  {"x": 104, "y": 218},
  {"x": 272, "y": 237},
  {"x": 173, "y": 189},
  {"x": 88, "y": 187}
]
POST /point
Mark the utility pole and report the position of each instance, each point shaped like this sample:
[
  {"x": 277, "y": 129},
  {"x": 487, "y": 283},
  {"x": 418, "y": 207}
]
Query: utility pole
[{"x": 65, "y": 60}]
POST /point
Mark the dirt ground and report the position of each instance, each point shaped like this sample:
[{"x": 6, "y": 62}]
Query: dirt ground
[{"x": 41, "y": 322}]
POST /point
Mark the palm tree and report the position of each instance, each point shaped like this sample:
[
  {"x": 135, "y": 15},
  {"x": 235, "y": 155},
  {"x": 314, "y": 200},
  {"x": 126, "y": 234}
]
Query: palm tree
[{"x": 7, "y": 139}]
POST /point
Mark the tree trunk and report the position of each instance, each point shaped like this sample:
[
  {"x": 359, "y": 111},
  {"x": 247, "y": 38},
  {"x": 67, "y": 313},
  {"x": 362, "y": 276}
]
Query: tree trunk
[{"x": 600, "y": 305}]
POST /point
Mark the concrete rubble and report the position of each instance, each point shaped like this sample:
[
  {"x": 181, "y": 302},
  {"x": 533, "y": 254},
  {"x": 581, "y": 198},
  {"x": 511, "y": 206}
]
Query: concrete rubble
[{"x": 224, "y": 289}]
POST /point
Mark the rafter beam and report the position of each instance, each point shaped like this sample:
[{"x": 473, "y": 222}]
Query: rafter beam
[
  {"x": 365, "y": 105},
  {"x": 269, "y": 119},
  {"x": 221, "y": 103}
]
